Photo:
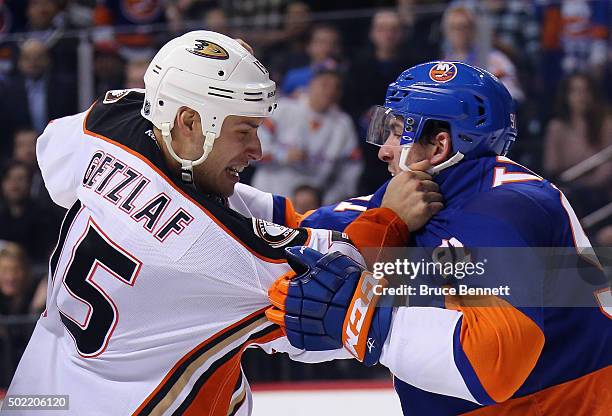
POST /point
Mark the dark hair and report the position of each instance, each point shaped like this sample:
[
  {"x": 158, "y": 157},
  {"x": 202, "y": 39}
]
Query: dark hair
[
  {"x": 595, "y": 113},
  {"x": 307, "y": 188},
  {"x": 432, "y": 128},
  {"x": 12, "y": 164}
]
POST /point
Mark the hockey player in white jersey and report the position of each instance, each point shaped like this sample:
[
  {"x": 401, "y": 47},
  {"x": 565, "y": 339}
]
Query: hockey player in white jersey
[{"x": 156, "y": 286}]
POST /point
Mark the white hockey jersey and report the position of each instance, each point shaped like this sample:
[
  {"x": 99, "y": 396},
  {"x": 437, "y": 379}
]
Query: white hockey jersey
[{"x": 154, "y": 290}]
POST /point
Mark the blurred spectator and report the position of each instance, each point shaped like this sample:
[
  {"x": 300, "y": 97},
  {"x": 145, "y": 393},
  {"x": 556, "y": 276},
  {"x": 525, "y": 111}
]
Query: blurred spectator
[
  {"x": 34, "y": 95},
  {"x": 310, "y": 141},
  {"x": 109, "y": 70},
  {"x": 134, "y": 73},
  {"x": 421, "y": 22},
  {"x": 258, "y": 15},
  {"x": 130, "y": 20},
  {"x": 44, "y": 15},
  {"x": 371, "y": 73},
  {"x": 291, "y": 51},
  {"x": 47, "y": 23},
  {"x": 324, "y": 47},
  {"x": 24, "y": 151},
  {"x": 180, "y": 13},
  {"x": 17, "y": 287},
  {"x": 582, "y": 127},
  {"x": 575, "y": 37},
  {"x": 22, "y": 220},
  {"x": 215, "y": 20},
  {"x": 467, "y": 38},
  {"x": 19, "y": 294},
  {"x": 24, "y": 146},
  {"x": 306, "y": 198}
]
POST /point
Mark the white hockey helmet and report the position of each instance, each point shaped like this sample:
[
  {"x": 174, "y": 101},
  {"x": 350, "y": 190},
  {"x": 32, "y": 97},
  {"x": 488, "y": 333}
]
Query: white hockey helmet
[{"x": 212, "y": 74}]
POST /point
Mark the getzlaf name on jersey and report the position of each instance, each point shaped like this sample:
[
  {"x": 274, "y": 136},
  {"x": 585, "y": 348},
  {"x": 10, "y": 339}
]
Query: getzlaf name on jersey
[{"x": 151, "y": 283}]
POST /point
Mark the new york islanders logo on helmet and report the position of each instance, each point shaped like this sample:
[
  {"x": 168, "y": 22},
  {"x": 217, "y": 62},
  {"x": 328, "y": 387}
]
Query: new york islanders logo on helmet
[
  {"x": 443, "y": 72},
  {"x": 208, "y": 49}
]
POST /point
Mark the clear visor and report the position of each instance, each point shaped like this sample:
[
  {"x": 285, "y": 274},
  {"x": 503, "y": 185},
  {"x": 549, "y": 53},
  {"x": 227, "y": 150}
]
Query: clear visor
[{"x": 385, "y": 127}]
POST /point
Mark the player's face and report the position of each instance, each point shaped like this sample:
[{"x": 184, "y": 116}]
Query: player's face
[
  {"x": 236, "y": 146},
  {"x": 390, "y": 151},
  {"x": 421, "y": 150}
]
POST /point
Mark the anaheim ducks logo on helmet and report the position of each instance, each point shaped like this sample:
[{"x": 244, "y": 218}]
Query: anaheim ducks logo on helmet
[{"x": 208, "y": 49}]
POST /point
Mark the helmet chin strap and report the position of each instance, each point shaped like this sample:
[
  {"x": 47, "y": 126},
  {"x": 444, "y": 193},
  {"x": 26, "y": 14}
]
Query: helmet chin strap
[
  {"x": 434, "y": 170},
  {"x": 187, "y": 165}
]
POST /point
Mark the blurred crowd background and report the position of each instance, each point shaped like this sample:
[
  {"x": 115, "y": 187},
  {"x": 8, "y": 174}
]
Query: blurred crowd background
[{"x": 332, "y": 61}]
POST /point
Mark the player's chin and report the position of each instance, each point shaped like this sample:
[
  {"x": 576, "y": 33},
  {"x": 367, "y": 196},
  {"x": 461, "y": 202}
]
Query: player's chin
[{"x": 227, "y": 184}]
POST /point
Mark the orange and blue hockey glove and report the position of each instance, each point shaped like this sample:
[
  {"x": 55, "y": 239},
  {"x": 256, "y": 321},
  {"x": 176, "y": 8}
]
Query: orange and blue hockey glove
[{"x": 327, "y": 302}]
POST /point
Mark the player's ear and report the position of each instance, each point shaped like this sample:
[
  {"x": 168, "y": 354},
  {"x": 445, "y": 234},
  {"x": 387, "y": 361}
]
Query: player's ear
[
  {"x": 442, "y": 148},
  {"x": 187, "y": 121}
]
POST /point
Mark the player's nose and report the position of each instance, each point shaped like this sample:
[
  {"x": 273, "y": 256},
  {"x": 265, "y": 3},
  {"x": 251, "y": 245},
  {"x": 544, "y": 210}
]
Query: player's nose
[
  {"x": 385, "y": 153},
  {"x": 253, "y": 149}
]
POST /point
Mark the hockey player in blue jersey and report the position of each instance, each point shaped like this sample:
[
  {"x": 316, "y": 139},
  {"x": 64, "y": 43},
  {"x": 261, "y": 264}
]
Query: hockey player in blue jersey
[{"x": 495, "y": 356}]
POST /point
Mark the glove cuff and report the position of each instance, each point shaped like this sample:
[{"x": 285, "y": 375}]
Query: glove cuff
[{"x": 377, "y": 335}]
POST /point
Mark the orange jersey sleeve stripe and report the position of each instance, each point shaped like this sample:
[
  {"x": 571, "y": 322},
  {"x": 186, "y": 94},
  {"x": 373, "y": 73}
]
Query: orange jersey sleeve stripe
[
  {"x": 377, "y": 228},
  {"x": 501, "y": 343},
  {"x": 292, "y": 217},
  {"x": 589, "y": 395}
]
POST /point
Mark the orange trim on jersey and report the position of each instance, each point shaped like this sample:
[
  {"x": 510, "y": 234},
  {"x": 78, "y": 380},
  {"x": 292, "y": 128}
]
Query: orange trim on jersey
[
  {"x": 190, "y": 353},
  {"x": 375, "y": 229},
  {"x": 501, "y": 343},
  {"x": 305, "y": 215},
  {"x": 176, "y": 188},
  {"x": 589, "y": 395},
  {"x": 292, "y": 217},
  {"x": 503, "y": 159},
  {"x": 223, "y": 381}
]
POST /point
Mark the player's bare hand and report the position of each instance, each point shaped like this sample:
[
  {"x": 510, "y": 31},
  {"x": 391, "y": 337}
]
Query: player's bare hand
[{"x": 414, "y": 196}]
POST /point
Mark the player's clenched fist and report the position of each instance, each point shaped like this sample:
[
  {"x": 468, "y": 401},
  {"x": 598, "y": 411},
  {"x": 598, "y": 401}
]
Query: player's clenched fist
[
  {"x": 330, "y": 302},
  {"x": 413, "y": 196}
]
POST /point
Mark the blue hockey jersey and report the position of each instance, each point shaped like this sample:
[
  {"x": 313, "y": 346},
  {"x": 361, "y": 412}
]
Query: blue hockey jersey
[{"x": 511, "y": 358}]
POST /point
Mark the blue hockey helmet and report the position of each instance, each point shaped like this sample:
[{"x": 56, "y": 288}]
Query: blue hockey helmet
[{"x": 476, "y": 105}]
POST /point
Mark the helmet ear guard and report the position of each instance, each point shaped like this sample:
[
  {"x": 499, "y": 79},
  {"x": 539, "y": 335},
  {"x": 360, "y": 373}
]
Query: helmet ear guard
[{"x": 213, "y": 75}]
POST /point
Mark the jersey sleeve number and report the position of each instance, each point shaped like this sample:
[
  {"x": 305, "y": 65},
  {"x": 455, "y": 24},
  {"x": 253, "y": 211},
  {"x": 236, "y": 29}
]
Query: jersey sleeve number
[{"x": 95, "y": 253}]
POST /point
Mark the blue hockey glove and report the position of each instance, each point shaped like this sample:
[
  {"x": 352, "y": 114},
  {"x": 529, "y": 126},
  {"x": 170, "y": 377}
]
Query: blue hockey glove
[{"x": 330, "y": 302}]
